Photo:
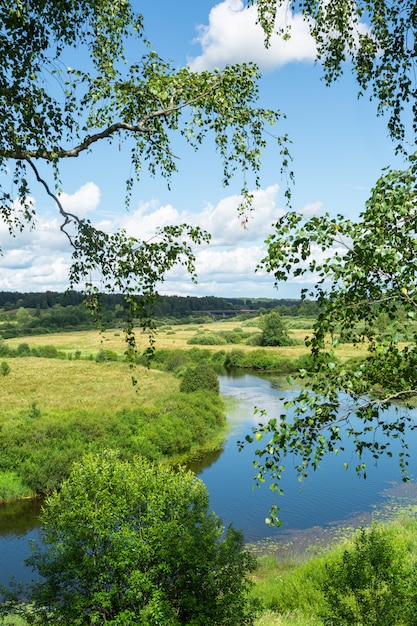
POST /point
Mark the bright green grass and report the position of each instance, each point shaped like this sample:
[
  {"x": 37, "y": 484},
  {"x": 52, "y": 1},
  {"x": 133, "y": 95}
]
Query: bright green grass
[{"x": 289, "y": 592}]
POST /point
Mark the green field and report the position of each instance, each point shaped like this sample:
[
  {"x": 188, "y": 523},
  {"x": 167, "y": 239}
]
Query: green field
[{"x": 55, "y": 409}]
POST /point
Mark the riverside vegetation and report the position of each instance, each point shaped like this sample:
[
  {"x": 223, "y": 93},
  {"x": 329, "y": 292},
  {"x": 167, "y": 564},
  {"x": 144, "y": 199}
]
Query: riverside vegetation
[{"x": 45, "y": 428}]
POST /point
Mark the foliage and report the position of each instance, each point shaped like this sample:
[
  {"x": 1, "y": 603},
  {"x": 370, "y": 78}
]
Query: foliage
[
  {"x": 369, "y": 584},
  {"x": 128, "y": 543},
  {"x": 290, "y": 584},
  {"x": 273, "y": 330},
  {"x": 97, "y": 95},
  {"x": 220, "y": 338},
  {"x": 378, "y": 39},
  {"x": 23, "y": 349},
  {"x": 260, "y": 360},
  {"x": 207, "y": 339},
  {"x": 40, "y": 441},
  {"x": 198, "y": 378},
  {"x": 105, "y": 355},
  {"x": 11, "y": 487},
  {"x": 4, "y": 368},
  {"x": 365, "y": 269}
]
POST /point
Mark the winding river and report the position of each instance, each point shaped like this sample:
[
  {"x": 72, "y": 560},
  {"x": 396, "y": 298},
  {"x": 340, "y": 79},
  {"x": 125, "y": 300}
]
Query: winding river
[{"x": 331, "y": 497}]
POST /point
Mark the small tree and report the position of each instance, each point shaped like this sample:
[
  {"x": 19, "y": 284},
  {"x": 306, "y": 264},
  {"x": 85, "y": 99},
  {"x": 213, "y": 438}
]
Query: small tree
[
  {"x": 369, "y": 584},
  {"x": 4, "y": 368},
  {"x": 273, "y": 330},
  {"x": 200, "y": 377},
  {"x": 135, "y": 543}
]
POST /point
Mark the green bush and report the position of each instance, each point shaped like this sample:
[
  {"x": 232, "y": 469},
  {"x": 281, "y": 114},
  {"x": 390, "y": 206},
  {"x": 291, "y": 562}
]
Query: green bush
[
  {"x": 369, "y": 584},
  {"x": 4, "y": 348},
  {"x": 274, "y": 332},
  {"x": 11, "y": 486},
  {"x": 209, "y": 339},
  {"x": 47, "y": 352},
  {"x": 23, "y": 349},
  {"x": 136, "y": 544},
  {"x": 105, "y": 355},
  {"x": 200, "y": 377},
  {"x": 4, "y": 368},
  {"x": 254, "y": 339}
]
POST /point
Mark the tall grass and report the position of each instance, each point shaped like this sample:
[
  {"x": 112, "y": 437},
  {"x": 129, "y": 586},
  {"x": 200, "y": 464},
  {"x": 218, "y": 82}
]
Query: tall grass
[
  {"x": 290, "y": 592},
  {"x": 53, "y": 411}
]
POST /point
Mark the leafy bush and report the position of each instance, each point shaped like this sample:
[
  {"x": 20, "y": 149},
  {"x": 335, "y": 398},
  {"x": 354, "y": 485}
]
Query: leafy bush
[
  {"x": 209, "y": 339},
  {"x": 254, "y": 339},
  {"x": 105, "y": 355},
  {"x": 200, "y": 377},
  {"x": 47, "y": 352},
  {"x": 11, "y": 486},
  {"x": 23, "y": 349},
  {"x": 273, "y": 330},
  {"x": 369, "y": 584},
  {"x": 4, "y": 368},
  {"x": 136, "y": 544},
  {"x": 4, "y": 348},
  {"x": 231, "y": 336}
]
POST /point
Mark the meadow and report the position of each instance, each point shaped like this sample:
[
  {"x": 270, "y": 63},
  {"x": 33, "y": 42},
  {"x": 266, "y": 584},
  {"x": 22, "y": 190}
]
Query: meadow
[
  {"x": 55, "y": 409},
  {"x": 66, "y": 393}
]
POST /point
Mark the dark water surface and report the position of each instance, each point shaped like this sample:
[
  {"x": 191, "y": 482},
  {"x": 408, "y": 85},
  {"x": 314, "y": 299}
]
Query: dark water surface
[{"x": 329, "y": 497}]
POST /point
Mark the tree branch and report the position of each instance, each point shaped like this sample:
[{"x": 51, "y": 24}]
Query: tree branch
[
  {"x": 50, "y": 155},
  {"x": 68, "y": 217}
]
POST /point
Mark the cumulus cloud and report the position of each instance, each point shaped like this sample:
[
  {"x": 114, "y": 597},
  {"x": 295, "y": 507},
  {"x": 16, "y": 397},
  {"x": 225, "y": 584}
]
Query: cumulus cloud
[
  {"x": 222, "y": 220},
  {"x": 233, "y": 36},
  {"x": 312, "y": 208},
  {"x": 85, "y": 199},
  {"x": 39, "y": 260}
]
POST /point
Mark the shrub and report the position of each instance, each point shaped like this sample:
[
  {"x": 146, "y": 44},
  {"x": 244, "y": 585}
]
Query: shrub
[
  {"x": 369, "y": 584},
  {"x": 23, "y": 349},
  {"x": 136, "y": 544},
  {"x": 34, "y": 412},
  {"x": 234, "y": 358},
  {"x": 4, "y": 368},
  {"x": 47, "y": 352},
  {"x": 255, "y": 339},
  {"x": 273, "y": 330},
  {"x": 209, "y": 339},
  {"x": 4, "y": 348},
  {"x": 231, "y": 336},
  {"x": 11, "y": 486},
  {"x": 105, "y": 355},
  {"x": 202, "y": 376}
]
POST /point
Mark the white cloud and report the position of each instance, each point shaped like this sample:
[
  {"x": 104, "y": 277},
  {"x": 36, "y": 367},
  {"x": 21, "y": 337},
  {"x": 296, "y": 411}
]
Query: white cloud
[
  {"x": 143, "y": 223},
  {"x": 233, "y": 36},
  {"x": 39, "y": 260},
  {"x": 222, "y": 221},
  {"x": 312, "y": 208},
  {"x": 85, "y": 199}
]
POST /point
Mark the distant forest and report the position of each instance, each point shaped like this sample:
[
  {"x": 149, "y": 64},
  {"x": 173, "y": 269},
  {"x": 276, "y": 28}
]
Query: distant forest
[{"x": 37, "y": 313}]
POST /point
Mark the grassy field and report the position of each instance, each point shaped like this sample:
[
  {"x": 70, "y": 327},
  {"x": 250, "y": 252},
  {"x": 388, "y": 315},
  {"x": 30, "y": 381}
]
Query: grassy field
[
  {"x": 79, "y": 395},
  {"x": 53, "y": 410},
  {"x": 174, "y": 337},
  {"x": 71, "y": 384}
]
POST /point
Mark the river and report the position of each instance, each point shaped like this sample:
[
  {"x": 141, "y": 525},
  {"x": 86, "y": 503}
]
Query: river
[{"x": 330, "y": 497}]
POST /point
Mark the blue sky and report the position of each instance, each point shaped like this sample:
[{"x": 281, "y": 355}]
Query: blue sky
[{"x": 339, "y": 148}]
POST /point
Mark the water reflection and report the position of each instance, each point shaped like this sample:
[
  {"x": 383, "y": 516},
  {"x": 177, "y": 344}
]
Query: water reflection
[
  {"x": 200, "y": 463},
  {"x": 19, "y": 518}
]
